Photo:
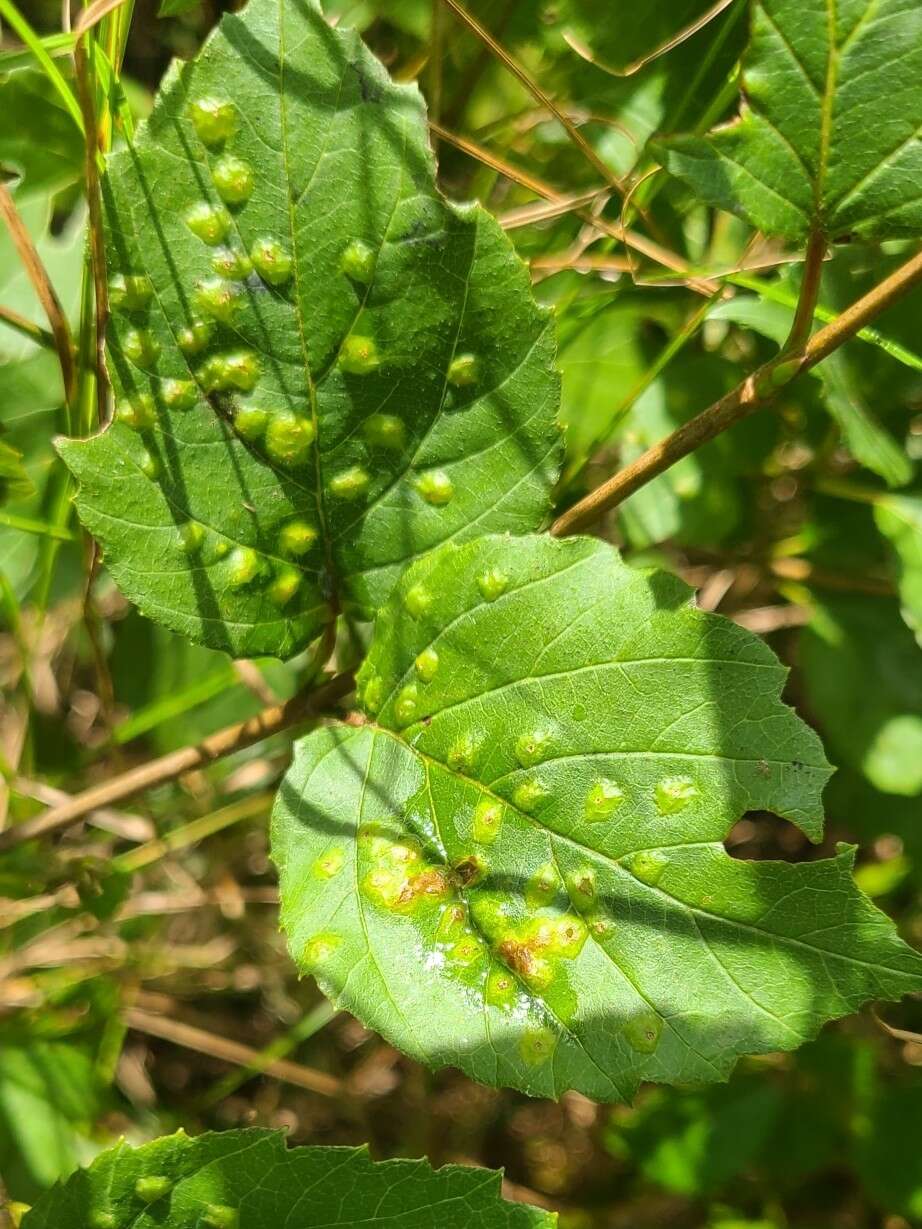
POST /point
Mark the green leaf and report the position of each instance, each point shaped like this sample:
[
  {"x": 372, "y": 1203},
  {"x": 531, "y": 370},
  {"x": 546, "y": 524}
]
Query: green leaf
[
  {"x": 868, "y": 441},
  {"x": 884, "y": 1158},
  {"x": 828, "y": 136},
  {"x": 628, "y": 33},
  {"x": 37, "y": 139},
  {"x": 899, "y": 518},
  {"x": 248, "y": 1179},
  {"x": 694, "y": 1143},
  {"x": 863, "y": 674},
  {"x": 48, "y": 1099},
  {"x": 371, "y": 375},
  {"x": 699, "y": 500},
  {"x": 517, "y": 869}
]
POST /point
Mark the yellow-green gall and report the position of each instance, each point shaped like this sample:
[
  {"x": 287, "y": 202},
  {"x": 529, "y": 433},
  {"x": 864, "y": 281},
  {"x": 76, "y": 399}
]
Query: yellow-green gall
[
  {"x": 234, "y": 179},
  {"x": 358, "y": 261},
  {"x": 214, "y": 119},
  {"x": 271, "y": 261},
  {"x": 359, "y": 355},
  {"x": 289, "y": 438},
  {"x": 210, "y": 223}
]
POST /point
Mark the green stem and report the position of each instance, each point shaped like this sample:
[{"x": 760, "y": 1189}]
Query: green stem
[
  {"x": 28, "y": 525},
  {"x": 306, "y": 1028}
]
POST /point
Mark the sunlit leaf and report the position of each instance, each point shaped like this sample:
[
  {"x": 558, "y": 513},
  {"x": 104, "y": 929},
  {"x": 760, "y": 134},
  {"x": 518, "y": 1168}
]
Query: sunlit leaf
[
  {"x": 828, "y": 136},
  {"x": 323, "y": 369},
  {"x": 900, "y": 518},
  {"x": 516, "y": 866}
]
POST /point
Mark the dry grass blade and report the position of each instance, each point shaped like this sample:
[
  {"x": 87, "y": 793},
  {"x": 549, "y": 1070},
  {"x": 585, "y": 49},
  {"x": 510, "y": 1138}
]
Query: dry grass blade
[
  {"x": 899, "y": 1034},
  {"x": 28, "y": 328},
  {"x": 94, "y": 13},
  {"x": 529, "y": 215},
  {"x": 636, "y": 65},
  {"x": 516, "y": 174},
  {"x": 203, "y": 1042},
  {"x": 535, "y": 90},
  {"x": 614, "y": 230},
  {"x": 581, "y": 264},
  {"x": 763, "y": 620},
  {"x": 41, "y": 283}
]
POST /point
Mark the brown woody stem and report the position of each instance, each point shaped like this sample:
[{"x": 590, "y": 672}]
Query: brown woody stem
[
  {"x": 168, "y": 767},
  {"x": 41, "y": 283},
  {"x": 808, "y": 297},
  {"x": 756, "y": 391}
]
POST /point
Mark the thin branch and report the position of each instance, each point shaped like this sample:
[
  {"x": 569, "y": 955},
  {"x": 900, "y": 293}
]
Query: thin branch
[
  {"x": 536, "y": 91},
  {"x": 614, "y": 230},
  {"x": 899, "y": 1034},
  {"x": 168, "y": 767},
  {"x": 21, "y": 324},
  {"x": 756, "y": 391},
  {"x": 636, "y": 65},
  {"x": 41, "y": 283},
  {"x": 203, "y": 1042}
]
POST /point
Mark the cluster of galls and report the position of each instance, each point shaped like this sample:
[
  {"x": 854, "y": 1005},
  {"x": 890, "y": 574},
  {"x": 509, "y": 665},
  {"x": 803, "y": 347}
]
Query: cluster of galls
[
  {"x": 284, "y": 437},
  {"x": 152, "y": 1189}
]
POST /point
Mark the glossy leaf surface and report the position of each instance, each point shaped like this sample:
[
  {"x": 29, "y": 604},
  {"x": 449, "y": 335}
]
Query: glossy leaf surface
[{"x": 323, "y": 369}]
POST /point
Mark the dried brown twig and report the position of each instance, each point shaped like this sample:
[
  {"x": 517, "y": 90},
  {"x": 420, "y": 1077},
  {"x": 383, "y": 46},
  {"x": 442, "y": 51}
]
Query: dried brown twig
[{"x": 752, "y": 394}]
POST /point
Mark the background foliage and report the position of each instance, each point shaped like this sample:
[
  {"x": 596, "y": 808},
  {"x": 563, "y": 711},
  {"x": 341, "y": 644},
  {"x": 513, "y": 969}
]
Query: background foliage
[{"x": 143, "y": 944}]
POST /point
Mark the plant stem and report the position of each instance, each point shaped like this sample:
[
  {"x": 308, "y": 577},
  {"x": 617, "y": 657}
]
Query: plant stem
[
  {"x": 756, "y": 391},
  {"x": 41, "y": 283},
  {"x": 43, "y": 528},
  {"x": 11, "y": 14},
  {"x": 841, "y": 488},
  {"x": 203, "y": 1042},
  {"x": 614, "y": 230},
  {"x": 192, "y": 832},
  {"x": 809, "y": 296},
  {"x": 306, "y": 1028},
  {"x": 85, "y": 90},
  {"x": 34, "y": 332},
  {"x": 232, "y": 738},
  {"x": 536, "y": 92}
]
